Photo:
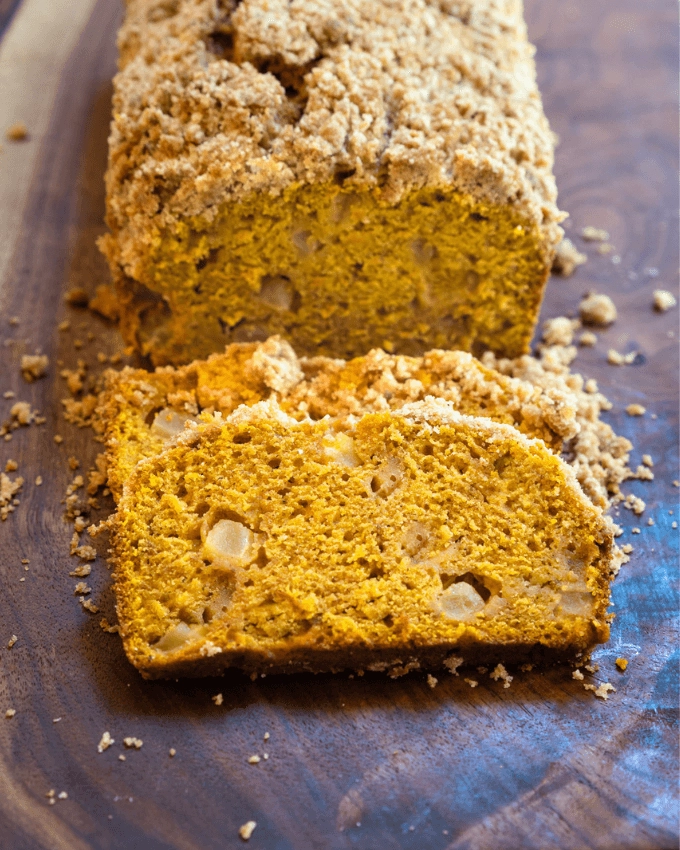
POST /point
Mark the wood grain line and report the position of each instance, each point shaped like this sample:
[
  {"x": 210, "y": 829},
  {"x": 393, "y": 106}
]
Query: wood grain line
[{"x": 33, "y": 53}]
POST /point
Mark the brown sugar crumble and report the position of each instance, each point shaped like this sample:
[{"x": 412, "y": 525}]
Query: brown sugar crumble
[
  {"x": 77, "y": 297},
  {"x": 34, "y": 366},
  {"x": 594, "y": 234},
  {"x": 105, "y": 742},
  {"x": 567, "y": 259},
  {"x": 622, "y": 664},
  {"x": 597, "y": 309},
  {"x": 588, "y": 339},
  {"x": 663, "y": 300},
  {"x": 499, "y": 672},
  {"x": 617, "y": 359},
  {"x": 602, "y": 690},
  {"x": 17, "y": 132},
  {"x": 247, "y": 829},
  {"x": 8, "y": 490}
]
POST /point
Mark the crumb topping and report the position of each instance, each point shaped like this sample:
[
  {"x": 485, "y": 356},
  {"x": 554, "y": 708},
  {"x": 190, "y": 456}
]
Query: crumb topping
[{"x": 215, "y": 101}]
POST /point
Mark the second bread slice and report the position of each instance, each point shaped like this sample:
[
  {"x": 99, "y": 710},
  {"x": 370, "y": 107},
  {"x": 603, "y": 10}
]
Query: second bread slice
[{"x": 400, "y": 540}]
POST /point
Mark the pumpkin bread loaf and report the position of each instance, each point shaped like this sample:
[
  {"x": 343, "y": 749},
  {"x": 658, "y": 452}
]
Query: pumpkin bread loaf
[
  {"x": 348, "y": 175},
  {"x": 394, "y": 540},
  {"x": 140, "y": 411}
]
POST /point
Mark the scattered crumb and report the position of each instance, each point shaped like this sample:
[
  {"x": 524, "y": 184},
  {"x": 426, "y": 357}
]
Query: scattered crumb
[
  {"x": 38, "y": 481},
  {"x": 567, "y": 258},
  {"x": 587, "y": 338},
  {"x": 499, "y": 672},
  {"x": 133, "y": 743},
  {"x": 21, "y": 412},
  {"x": 597, "y": 309},
  {"x": 578, "y": 675},
  {"x": 34, "y": 366},
  {"x": 11, "y": 466},
  {"x": 635, "y": 530},
  {"x": 591, "y": 386},
  {"x": 254, "y": 759},
  {"x": 172, "y": 752},
  {"x": 12, "y": 641},
  {"x": 617, "y": 359},
  {"x": 602, "y": 691},
  {"x": 452, "y": 663},
  {"x": 14, "y": 321},
  {"x": 105, "y": 302},
  {"x": 526, "y": 668},
  {"x": 58, "y": 439},
  {"x": 627, "y": 548},
  {"x": 559, "y": 331},
  {"x": 432, "y": 681},
  {"x": 9, "y": 394},
  {"x": 121, "y": 757},
  {"x": 647, "y": 460},
  {"x": 247, "y": 829},
  {"x": 64, "y": 326},
  {"x": 9, "y": 714},
  {"x": 17, "y": 132},
  {"x": 650, "y": 521},
  {"x": 8, "y": 490},
  {"x": 56, "y": 719},
  {"x": 77, "y": 297},
  {"x": 267, "y": 736},
  {"x": 82, "y": 571},
  {"x": 73, "y": 463},
  {"x": 592, "y": 668},
  {"x": 471, "y": 682},
  {"x": 105, "y": 742},
  {"x": 218, "y": 699},
  {"x": 636, "y": 410},
  {"x": 85, "y": 553},
  {"x": 89, "y": 605},
  {"x": 634, "y": 503},
  {"x": 594, "y": 234},
  {"x": 82, "y": 589},
  {"x": 663, "y": 300},
  {"x": 621, "y": 663},
  {"x": 105, "y": 626},
  {"x": 605, "y": 248}
]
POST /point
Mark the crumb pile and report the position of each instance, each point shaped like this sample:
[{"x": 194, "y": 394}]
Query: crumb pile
[{"x": 388, "y": 541}]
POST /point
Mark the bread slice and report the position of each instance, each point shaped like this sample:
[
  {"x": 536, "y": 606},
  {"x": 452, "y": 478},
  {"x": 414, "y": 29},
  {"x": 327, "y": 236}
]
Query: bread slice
[
  {"x": 396, "y": 540},
  {"x": 347, "y": 175},
  {"x": 140, "y": 411}
]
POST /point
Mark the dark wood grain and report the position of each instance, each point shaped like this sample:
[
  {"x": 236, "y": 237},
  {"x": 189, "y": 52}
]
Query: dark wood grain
[
  {"x": 541, "y": 765},
  {"x": 7, "y": 8}
]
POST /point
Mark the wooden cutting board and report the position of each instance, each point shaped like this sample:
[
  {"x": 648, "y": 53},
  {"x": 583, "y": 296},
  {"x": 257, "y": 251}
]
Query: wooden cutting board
[{"x": 366, "y": 762}]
